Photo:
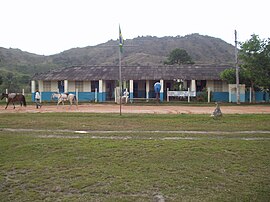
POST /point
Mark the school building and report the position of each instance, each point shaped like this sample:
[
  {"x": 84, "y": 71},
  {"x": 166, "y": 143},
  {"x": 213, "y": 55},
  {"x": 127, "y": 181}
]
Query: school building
[{"x": 98, "y": 83}]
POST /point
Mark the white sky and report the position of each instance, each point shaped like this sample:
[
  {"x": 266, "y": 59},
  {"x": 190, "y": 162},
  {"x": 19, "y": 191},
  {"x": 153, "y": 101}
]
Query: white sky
[{"x": 51, "y": 26}]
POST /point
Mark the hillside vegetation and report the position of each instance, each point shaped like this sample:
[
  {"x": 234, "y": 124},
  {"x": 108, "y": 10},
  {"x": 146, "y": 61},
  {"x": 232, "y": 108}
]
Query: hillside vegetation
[{"x": 17, "y": 67}]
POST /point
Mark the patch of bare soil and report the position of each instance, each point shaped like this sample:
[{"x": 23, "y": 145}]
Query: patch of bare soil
[{"x": 113, "y": 108}]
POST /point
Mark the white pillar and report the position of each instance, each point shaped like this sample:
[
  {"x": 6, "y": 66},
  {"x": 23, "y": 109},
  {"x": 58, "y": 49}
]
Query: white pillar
[
  {"x": 131, "y": 90},
  {"x": 161, "y": 83},
  {"x": 77, "y": 94},
  {"x": 131, "y": 86},
  {"x": 188, "y": 95},
  {"x": 96, "y": 95},
  {"x": 161, "y": 90},
  {"x": 147, "y": 89},
  {"x": 209, "y": 94},
  {"x": 168, "y": 97},
  {"x": 100, "y": 86},
  {"x": 66, "y": 86},
  {"x": 193, "y": 85},
  {"x": 33, "y": 86},
  {"x": 100, "y": 91}
]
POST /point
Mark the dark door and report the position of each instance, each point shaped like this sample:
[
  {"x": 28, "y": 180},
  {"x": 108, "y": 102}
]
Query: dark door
[
  {"x": 61, "y": 86},
  {"x": 135, "y": 89}
]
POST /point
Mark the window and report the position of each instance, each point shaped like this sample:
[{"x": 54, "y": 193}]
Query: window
[
  {"x": 79, "y": 86},
  {"x": 217, "y": 86},
  {"x": 46, "y": 86}
]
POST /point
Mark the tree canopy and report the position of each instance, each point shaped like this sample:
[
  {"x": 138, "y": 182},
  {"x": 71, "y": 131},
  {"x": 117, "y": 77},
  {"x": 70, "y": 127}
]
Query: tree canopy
[
  {"x": 254, "y": 65},
  {"x": 178, "y": 56},
  {"x": 254, "y": 56},
  {"x": 230, "y": 76}
]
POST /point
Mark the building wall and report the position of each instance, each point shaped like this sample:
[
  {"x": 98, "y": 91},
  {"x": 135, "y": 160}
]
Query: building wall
[
  {"x": 54, "y": 86},
  {"x": 222, "y": 96},
  {"x": 40, "y": 86},
  {"x": 259, "y": 96},
  {"x": 210, "y": 84},
  {"x": 225, "y": 87},
  {"x": 87, "y": 95},
  {"x": 71, "y": 86},
  {"x": 232, "y": 88},
  {"x": 87, "y": 86},
  {"x": 104, "y": 86}
]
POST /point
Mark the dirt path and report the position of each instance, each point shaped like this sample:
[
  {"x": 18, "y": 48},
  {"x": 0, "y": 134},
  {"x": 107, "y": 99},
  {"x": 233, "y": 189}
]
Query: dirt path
[
  {"x": 113, "y": 108},
  {"x": 114, "y": 135}
]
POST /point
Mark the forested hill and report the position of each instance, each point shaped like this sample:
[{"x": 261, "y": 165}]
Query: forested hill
[
  {"x": 138, "y": 51},
  {"x": 150, "y": 50}
]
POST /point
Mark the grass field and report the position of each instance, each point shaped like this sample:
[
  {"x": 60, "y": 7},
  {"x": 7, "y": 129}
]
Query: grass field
[{"x": 50, "y": 161}]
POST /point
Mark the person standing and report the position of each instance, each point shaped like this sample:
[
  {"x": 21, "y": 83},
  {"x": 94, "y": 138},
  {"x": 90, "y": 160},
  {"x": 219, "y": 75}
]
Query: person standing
[
  {"x": 37, "y": 99},
  {"x": 157, "y": 88}
]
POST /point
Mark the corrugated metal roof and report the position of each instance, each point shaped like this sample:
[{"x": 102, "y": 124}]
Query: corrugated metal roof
[{"x": 91, "y": 73}]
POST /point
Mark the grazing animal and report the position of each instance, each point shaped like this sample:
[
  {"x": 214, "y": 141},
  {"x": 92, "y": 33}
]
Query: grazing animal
[
  {"x": 62, "y": 97},
  {"x": 14, "y": 97}
]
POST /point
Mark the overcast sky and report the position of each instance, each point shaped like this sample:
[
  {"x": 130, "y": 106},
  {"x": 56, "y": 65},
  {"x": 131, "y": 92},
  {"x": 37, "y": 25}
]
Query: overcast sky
[{"x": 51, "y": 26}]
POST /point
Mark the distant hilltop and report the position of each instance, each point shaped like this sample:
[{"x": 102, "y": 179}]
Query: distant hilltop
[
  {"x": 148, "y": 50},
  {"x": 145, "y": 50}
]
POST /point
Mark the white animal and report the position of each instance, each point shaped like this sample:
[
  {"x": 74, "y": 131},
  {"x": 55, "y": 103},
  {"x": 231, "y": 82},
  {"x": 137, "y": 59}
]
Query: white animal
[{"x": 62, "y": 97}]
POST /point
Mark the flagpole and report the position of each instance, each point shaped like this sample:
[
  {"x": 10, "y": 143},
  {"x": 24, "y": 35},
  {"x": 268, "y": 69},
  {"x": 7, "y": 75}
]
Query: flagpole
[
  {"x": 237, "y": 70},
  {"x": 120, "y": 81}
]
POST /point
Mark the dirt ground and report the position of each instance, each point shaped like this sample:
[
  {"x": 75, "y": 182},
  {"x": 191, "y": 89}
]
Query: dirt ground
[{"x": 113, "y": 108}]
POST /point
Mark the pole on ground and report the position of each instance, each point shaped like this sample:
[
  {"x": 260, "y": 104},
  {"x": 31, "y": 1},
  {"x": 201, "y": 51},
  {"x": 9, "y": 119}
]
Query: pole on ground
[
  {"x": 96, "y": 95},
  {"x": 188, "y": 95},
  {"x": 168, "y": 99},
  {"x": 77, "y": 94},
  {"x": 120, "y": 81},
  {"x": 237, "y": 70}
]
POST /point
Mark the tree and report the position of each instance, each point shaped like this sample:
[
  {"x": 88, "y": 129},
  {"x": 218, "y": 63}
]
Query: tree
[
  {"x": 10, "y": 82},
  {"x": 178, "y": 56},
  {"x": 229, "y": 75},
  {"x": 263, "y": 78},
  {"x": 255, "y": 62}
]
